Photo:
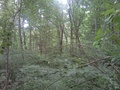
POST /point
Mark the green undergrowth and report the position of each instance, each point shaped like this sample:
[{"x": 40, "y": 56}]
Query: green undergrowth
[{"x": 60, "y": 72}]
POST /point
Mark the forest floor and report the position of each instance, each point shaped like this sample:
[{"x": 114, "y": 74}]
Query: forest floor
[{"x": 57, "y": 72}]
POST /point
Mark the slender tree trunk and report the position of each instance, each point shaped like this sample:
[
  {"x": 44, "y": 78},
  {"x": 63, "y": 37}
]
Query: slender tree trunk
[
  {"x": 20, "y": 36},
  {"x": 77, "y": 39},
  {"x": 96, "y": 27},
  {"x": 113, "y": 32},
  {"x": 15, "y": 38},
  {"x": 6, "y": 58},
  {"x": 66, "y": 42},
  {"x": 24, "y": 35},
  {"x": 19, "y": 28},
  {"x": 30, "y": 39},
  {"x": 71, "y": 31},
  {"x": 61, "y": 42},
  {"x": 59, "y": 38},
  {"x": 41, "y": 45},
  {"x": 71, "y": 40}
]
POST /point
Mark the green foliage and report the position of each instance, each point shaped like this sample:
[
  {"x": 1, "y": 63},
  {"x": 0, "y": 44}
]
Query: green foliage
[
  {"x": 37, "y": 77},
  {"x": 98, "y": 38},
  {"x": 40, "y": 65},
  {"x": 6, "y": 33},
  {"x": 40, "y": 72}
]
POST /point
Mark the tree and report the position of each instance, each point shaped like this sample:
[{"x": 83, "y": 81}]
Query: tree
[
  {"x": 76, "y": 13},
  {"x": 7, "y": 25}
]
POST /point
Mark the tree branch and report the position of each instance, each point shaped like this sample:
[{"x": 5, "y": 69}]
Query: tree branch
[{"x": 95, "y": 61}]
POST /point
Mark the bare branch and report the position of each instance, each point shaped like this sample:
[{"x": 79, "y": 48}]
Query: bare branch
[{"x": 95, "y": 61}]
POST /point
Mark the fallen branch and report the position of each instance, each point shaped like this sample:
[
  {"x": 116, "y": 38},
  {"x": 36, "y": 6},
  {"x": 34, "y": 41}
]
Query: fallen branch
[
  {"x": 78, "y": 67},
  {"x": 95, "y": 61}
]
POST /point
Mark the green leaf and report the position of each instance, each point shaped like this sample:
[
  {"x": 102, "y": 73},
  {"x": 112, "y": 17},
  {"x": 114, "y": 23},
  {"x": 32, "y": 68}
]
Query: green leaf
[
  {"x": 97, "y": 44},
  {"x": 117, "y": 19},
  {"x": 115, "y": 37},
  {"x": 117, "y": 28},
  {"x": 109, "y": 19},
  {"x": 109, "y": 11},
  {"x": 99, "y": 32},
  {"x": 98, "y": 37}
]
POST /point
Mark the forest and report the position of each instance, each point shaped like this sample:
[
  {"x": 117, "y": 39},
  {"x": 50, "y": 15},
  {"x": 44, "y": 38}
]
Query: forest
[{"x": 59, "y": 44}]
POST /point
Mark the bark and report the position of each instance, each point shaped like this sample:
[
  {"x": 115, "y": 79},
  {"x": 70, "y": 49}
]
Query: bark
[
  {"x": 19, "y": 28},
  {"x": 24, "y": 35},
  {"x": 66, "y": 38},
  {"x": 77, "y": 39},
  {"x": 71, "y": 29},
  {"x": 41, "y": 45},
  {"x": 58, "y": 33},
  {"x": 24, "y": 38},
  {"x": 15, "y": 45},
  {"x": 15, "y": 39},
  {"x": 61, "y": 38},
  {"x": 62, "y": 27},
  {"x": 96, "y": 27},
  {"x": 30, "y": 39},
  {"x": 6, "y": 58}
]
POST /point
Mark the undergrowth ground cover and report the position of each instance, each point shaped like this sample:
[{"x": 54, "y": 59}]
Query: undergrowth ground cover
[{"x": 60, "y": 72}]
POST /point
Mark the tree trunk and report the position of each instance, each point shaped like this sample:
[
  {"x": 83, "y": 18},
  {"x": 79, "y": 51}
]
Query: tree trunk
[
  {"x": 96, "y": 27},
  {"x": 19, "y": 28},
  {"x": 61, "y": 37},
  {"x": 41, "y": 45},
  {"x": 6, "y": 58},
  {"x": 15, "y": 39},
  {"x": 20, "y": 36},
  {"x": 71, "y": 31},
  {"x": 30, "y": 39},
  {"x": 15, "y": 45},
  {"x": 24, "y": 35},
  {"x": 77, "y": 39},
  {"x": 66, "y": 42},
  {"x": 60, "y": 30}
]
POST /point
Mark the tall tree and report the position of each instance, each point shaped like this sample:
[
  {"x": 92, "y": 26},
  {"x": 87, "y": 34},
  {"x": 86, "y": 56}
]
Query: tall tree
[
  {"x": 7, "y": 25},
  {"x": 76, "y": 13}
]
